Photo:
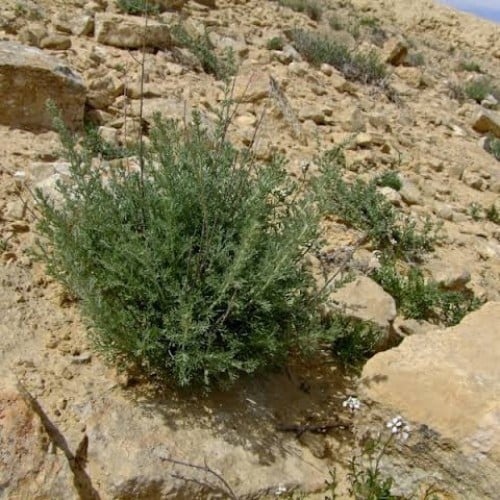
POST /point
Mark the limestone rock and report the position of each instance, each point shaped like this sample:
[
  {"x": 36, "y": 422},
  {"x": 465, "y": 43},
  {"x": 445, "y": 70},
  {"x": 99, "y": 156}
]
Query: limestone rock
[
  {"x": 103, "y": 91},
  {"x": 27, "y": 469},
  {"x": 56, "y": 42},
  {"x": 251, "y": 87},
  {"x": 391, "y": 195},
  {"x": 313, "y": 113},
  {"x": 239, "y": 47},
  {"x": 408, "y": 326},
  {"x": 168, "y": 107},
  {"x": 83, "y": 26},
  {"x": 32, "y": 34},
  {"x": 212, "y": 4},
  {"x": 447, "y": 383},
  {"x": 396, "y": 52},
  {"x": 28, "y": 78},
  {"x": 487, "y": 122},
  {"x": 353, "y": 120},
  {"x": 127, "y": 32},
  {"x": 449, "y": 276},
  {"x": 410, "y": 193},
  {"x": 163, "y": 5},
  {"x": 443, "y": 211},
  {"x": 489, "y": 102},
  {"x": 154, "y": 437},
  {"x": 366, "y": 300}
]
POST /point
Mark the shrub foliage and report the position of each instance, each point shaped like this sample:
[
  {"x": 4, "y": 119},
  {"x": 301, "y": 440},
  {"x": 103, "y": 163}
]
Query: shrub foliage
[
  {"x": 221, "y": 66},
  {"x": 419, "y": 298},
  {"x": 318, "y": 49},
  {"x": 361, "y": 205},
  {"x": 136, "y": 7},
  {"x": 192, "y": 268}
]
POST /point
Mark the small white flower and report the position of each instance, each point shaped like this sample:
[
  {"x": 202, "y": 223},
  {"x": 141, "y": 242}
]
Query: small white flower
[
  {"x": 280, "y": 490},
  {"x": 399, "y": 428},
  {"x": 352, "y": 403}
]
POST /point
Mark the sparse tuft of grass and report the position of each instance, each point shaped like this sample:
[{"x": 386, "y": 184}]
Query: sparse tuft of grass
[
  {"x": 419, "y": 298},
  {"x": 98, "y": 147},
  {"x": 353, "y": 340},
  {"x": 475, "y": 210},
  {"x": 311, "y": 8},
  {"x": 3, "y": 245},
  {"x": 480, "y": 88},
  {"x": 493, "y": 214},
  {"x": 494, "y": 147},
  {"x": 369, "y": 21},
  {"x": 317, "y": 49},
  {"x": 32, "y": 13},
  {"x": 137, "y": 7},
  {"x": 222, "y": 67},
  {"x": 389, "y": 179},
  {"x": 335, "y": 23},
  {"x": 471, "y": 66},
  {"x": 275, "y": 43},
  {"x": 362, "y": 206}
]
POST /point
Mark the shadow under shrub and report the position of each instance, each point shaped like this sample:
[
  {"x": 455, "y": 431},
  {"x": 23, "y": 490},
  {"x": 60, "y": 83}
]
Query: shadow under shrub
[{"x": 192, "y": 271}]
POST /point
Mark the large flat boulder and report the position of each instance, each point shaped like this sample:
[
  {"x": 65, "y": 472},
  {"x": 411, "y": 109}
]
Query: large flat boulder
[
  {"x": 28, "y": 78},
  {"x": 487, "y": 122},
  {"x": 447, "y": 382},
  {"x": 129, "y": 32}
]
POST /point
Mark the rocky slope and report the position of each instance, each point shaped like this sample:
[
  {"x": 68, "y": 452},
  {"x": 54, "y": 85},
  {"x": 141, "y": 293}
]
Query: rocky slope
[{"x": 86, "y": 57}]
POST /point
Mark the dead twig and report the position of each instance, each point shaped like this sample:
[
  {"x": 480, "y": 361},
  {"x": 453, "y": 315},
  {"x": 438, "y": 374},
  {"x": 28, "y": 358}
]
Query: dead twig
[{"x": 226, "y": 488}]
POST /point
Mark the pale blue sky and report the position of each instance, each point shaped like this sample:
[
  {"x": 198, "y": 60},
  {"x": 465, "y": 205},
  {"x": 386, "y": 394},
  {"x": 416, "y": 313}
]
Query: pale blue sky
[{"x": 489, "y": 9}]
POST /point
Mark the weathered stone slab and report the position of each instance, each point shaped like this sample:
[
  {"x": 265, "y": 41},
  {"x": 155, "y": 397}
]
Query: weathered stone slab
[
  {"x": 487, "y": 122},
  {"x": 447, "y": 383},
  {"x": 28, "y": 78},
  {"x": 127, "y": 32}
]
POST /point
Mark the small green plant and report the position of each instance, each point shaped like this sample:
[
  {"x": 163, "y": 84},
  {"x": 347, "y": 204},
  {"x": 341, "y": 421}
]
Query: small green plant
[
  {"x": 369, "y": 21},
  {"x": 389, "y": 179},
  {"x": 120, "y": 67},
  {"x": 20, "y": 10},
  {"x": 99, "y": 147},
  {"x": 192, "y": 269},
  {"x": 480, "y": 88},
  {"x": 311, "y": 8},
  {"x": 493, "y": 214},
  {"x": 275, "y": 43},
  {"x": 419, "y": 298},
  {"x": 493, "y": 147},
  {"x": 362, "y": 206},
  {"x": 222, "y": 67},
  {"x": 137, "y": 7},
  {"x": 360, "y": 66},
  {"x": 32, "y": 13},
  {"x": 335, "y": 23},
  {"x": 475, "y": 210},
  {"x": 3, "y": 245},
  {"x": 471, "y": 66},
  {"x": 366, "y": 478},
  {"x": 354, "y": 28},
  {"x": 352, "y": 340}
]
